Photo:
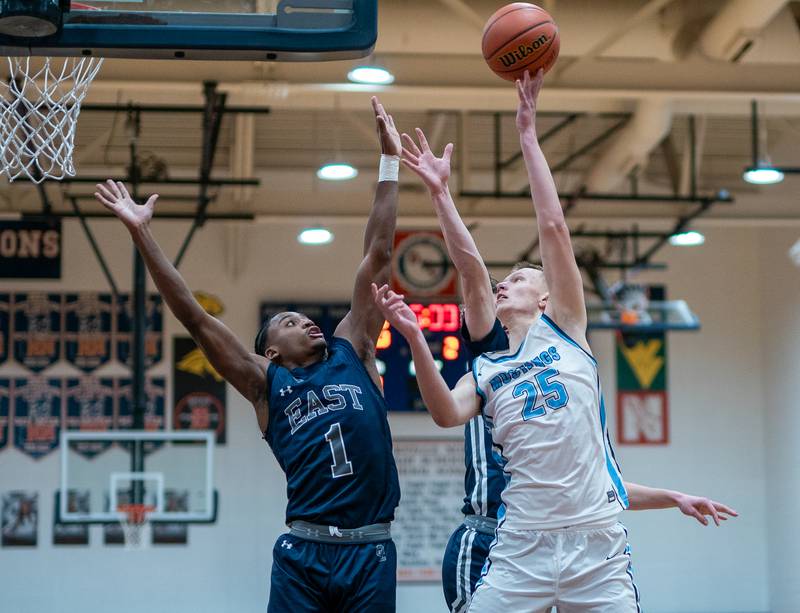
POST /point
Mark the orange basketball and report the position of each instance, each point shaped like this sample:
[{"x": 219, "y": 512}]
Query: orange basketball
[{"x": 520, "y": 37}]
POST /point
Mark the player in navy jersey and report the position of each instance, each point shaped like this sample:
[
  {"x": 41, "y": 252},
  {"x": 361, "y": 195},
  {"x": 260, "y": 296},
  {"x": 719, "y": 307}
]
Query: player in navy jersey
[
  {"x": 469, "y": 545},
  {"x": 321, "y": 409}
]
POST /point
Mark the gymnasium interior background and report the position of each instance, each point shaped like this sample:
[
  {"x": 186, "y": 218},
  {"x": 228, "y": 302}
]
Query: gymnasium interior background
[{"x": 733, "y": 386}]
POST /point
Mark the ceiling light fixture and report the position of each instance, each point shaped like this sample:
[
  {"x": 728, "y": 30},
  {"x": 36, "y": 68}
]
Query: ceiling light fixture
[
  {"x": 761, "y": 171},
  {"x": 371, "y": 75},
  {"x": 337, "y": 171},
  {"x": 763, "y": 174},
  {"x": 315, "y": 236},
  {"x": 691, "y": 238}
]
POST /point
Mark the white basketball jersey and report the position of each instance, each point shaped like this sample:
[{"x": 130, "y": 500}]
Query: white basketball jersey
[{"x": 548, "y": 420}]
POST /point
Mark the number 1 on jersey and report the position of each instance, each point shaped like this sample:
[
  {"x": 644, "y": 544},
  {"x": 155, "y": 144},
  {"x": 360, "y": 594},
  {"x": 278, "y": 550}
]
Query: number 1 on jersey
[{"x": 341, "y": 466}]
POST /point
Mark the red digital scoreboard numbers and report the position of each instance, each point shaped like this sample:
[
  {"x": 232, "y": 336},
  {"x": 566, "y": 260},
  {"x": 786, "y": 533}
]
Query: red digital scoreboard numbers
[
  {"x": 437, "y": 317},
  {"x": 434, "y": 317}
]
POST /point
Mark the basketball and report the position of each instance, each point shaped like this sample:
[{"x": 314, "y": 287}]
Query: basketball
[{"x": 519, "y": 37}]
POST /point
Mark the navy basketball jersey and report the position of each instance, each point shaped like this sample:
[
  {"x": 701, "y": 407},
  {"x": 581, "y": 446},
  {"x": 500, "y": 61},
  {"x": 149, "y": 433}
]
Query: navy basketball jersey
[
  {"x": 484, "y": 480},
  {"x": 329, "y": 431}
]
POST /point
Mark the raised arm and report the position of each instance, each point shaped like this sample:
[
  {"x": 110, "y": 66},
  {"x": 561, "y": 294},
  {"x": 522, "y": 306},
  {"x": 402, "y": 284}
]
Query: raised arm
[
  {"x": 244, "y": 370},
  {"x": 447, "y": 408},
  {"x": 566, "y": 303},
  {"x": 644, "y": 498},
  {"x": 363, "y": 323},
  {"x": 475, "y": 283}
]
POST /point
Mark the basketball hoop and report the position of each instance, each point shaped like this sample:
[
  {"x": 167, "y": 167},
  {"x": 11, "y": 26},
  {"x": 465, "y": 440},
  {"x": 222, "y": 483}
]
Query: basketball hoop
[
  {"x": 39, "y": 107},
  {"x": 135, "y": 525}
]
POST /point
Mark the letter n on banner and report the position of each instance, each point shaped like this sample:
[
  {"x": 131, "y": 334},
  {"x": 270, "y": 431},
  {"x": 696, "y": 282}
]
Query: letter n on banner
[{"x": 642, "y": 397}]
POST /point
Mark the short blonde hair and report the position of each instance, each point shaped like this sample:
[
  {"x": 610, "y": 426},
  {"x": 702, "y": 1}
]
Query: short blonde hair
[{"x": 525, "y": 264}]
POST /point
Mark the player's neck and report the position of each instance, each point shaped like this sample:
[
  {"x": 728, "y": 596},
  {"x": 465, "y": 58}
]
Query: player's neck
[
  {"x": 307, "y": 361},
  {"x": 517, "y": 326}
]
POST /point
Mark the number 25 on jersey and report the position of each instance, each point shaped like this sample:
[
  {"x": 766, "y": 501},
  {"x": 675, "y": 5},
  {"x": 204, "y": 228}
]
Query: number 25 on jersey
[{"x": 553, "y": 394}]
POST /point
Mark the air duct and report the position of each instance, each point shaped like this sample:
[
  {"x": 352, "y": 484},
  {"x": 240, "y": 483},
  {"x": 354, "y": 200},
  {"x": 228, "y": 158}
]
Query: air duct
[
  {"x": 650, "y": 124},
  {"x": 732, "y": 31}
]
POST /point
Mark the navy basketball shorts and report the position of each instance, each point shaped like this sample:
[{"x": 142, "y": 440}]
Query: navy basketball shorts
[
  {"x": 463, "y": 562},
  {"x": 311, "y": 577}
]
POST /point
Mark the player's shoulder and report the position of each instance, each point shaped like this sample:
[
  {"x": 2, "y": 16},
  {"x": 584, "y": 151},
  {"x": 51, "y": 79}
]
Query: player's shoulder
[{"x": 570, "y": 338}]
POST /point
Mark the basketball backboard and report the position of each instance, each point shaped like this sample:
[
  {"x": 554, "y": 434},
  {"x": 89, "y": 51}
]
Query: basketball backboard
[
  {"x": 175, "y": 476},
  {"x": 655, "y": 316},
  {"x": 273, "y": 30}
]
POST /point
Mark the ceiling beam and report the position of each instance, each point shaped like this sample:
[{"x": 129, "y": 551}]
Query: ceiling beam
[{"x": 330, "y": 96}]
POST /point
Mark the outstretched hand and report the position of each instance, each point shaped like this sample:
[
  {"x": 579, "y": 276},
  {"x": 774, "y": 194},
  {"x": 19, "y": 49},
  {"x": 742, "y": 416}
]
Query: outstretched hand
[
  {"x": 433, "y": 171},
  {"x": 114, "y": 196},
  {"x": 698, "y": 507},
  {"x": 395, "y": 310},
  {"x": 528, "y": 91},
  {"x": 389, "y": 137}
]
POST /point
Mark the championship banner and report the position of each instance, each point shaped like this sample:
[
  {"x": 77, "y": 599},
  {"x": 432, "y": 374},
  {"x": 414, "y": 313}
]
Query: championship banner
[
  {"x": 37, "y": 415},
  {"x": 5, "y": 305},
  {"x": 30, "y": 249},
  {"x": 5, "y": 403},
  {"x": 421, "y": 267},
  {"x": 71, "y": 533},
  {"x": 172, "y": 533},
  {"x": 37, "y": 329},
  {"x": 87, "y": 330},
  {"x": 20, "y": 519},
  {"x": 90, "y": 408},
  {"x": 155, "y": 391},
  {"x": 153, "y": 338},
  {"x": 198, "y": 390},
  {"x": 642, "y": 400}
]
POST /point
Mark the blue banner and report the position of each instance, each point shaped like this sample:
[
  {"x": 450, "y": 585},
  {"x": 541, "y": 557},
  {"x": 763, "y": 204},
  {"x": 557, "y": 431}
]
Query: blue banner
[
  {"x": 153, "y": 340},
  {"x": 37, "y": 329},
  {"x": 154, "y": 389},
  {"x": 5, "y": 403},
  {"x": 87, "y": 330},
  {"x": 5, "y": 306},
  {"x": 90, "y": 408},
  {"x": 37, "y": 415}
]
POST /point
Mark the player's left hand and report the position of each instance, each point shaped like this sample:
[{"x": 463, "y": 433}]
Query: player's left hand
[
  {"x": 389, "y": 137},
  {"x": 395, "y": 310},
  {"x": 698, "y": 507},
  {"x": 528, "y": 91}
]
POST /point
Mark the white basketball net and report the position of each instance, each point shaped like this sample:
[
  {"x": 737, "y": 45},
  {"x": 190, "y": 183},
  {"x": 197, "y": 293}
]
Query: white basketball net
[
  {"x": 136, "y": 528},
  {"x": 39, "y": 108}
]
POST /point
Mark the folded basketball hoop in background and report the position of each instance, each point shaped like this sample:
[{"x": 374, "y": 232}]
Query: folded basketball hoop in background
[{"x": 40, "y": 100}]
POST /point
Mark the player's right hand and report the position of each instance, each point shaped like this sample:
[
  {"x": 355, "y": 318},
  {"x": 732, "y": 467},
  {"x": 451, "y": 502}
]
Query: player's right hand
[
  {"x": 114, "y": 196},
  {"x": 433, "y": 171},
  {"x": 395, "y": 310}
]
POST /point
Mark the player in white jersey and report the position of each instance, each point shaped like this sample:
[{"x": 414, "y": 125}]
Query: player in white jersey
[{"x": 558, "y": 542}]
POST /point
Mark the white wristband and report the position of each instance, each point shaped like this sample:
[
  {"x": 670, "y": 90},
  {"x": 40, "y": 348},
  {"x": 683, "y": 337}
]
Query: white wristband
[{"x": 389, "y": 168}]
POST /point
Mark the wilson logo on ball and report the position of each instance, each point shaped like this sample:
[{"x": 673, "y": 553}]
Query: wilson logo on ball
[{"x": 523, "y": 51}]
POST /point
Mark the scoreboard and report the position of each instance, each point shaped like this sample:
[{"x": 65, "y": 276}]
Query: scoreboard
[{"x": 440, "y": 323}]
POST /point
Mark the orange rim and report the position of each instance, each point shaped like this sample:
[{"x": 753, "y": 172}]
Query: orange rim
[{"x": 136, "y": 512}]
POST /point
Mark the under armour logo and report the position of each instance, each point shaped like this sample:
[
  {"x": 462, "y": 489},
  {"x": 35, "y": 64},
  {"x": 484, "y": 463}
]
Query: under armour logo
[
  {"x": 285, "y": 390},
  {"x": 380, "y": 552},
  {"x": 334, "y": 531},
  {"x": 286, "y": 544}
]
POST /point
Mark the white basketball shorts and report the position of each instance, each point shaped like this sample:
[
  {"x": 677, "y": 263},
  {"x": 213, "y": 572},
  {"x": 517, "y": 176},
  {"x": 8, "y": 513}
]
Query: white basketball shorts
[{"x": 577, "y": 570}]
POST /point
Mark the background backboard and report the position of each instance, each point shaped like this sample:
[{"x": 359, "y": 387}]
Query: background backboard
[{"x": 175, "y": 475}]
